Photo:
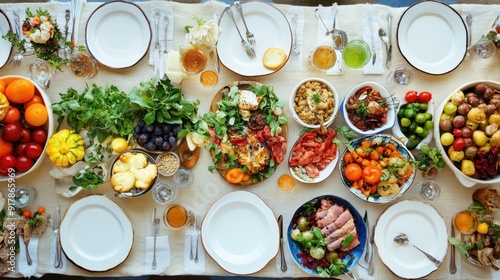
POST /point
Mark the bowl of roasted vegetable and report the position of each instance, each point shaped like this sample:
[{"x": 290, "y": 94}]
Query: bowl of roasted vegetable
[
  {"x": 368, "y": 108},
  {"x": 326, "y": 236},
  {"x": 27, "y": 123},
  {"x": 467, "y": 132},
  {"x": 377, "y": 168}
]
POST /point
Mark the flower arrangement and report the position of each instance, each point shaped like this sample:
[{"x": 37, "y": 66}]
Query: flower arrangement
[
  {"x": 494, "y": 35},
  {"x": 44, "y": 36},
  {"x": 205, "y": 32}
]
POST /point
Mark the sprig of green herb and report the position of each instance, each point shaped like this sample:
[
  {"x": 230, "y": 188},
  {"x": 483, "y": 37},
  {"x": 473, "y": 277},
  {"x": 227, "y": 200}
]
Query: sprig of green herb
[
  {"x": 316, "y": 98},
  {"x": 347, "y": 136},
  {"x": 88, "y": 179},
  {"x": 335, "y": 269},
  {"x": 428, "y": 158}
]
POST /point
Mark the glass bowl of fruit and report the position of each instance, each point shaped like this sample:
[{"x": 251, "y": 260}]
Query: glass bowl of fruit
[
  {"x": 27, "y": 120},
  {"x": 157, "y": 138},
  {"x": 467, "y": 132}
]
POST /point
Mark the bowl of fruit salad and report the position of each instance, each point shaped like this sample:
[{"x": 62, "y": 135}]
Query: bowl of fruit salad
[
  {"x": 27, "y": 121},
  {"x": 467, "y": 132}
]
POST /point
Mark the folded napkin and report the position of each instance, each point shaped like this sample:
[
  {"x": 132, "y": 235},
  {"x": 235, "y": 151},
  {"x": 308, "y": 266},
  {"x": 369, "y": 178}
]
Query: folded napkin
[
  {"x": 166, "y": 10},
  {"x": 52, "y": 258},
  {"x": 289, "y": 262},
  {"x": 22, "y": 266},
  {"x": 322, "y": 39},
  {"x": 162, "y": 255},
  {"x": 370, "y": 36},
  {"x": 61, "y": 18},
  {"x": 190, "y": 266},
  {"x": 295, "y": 61}
]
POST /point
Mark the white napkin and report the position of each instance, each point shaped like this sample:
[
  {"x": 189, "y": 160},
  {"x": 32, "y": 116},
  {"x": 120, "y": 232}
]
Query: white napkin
[
  {"x": 295, "y": 61},
  {"x": 190, "y": 266},
  {"x": 322, "y": 39},
  {"x": 52, "y": 258},
  {"x": 22, "y": 266},
  {"x": 162, "y": 254},
  {"x": 370, "y": 36},
  {"x": 61, "y": 20},
  {"x": 166, "y": 10},
  {"x": 288, "y": 259}
]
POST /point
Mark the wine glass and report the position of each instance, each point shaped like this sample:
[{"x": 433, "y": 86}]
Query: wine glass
[
  {"x": 322, "y": 58},
  {"x": 183, "y": 178},
  {"x": 401, "y": 76},
  {"x": 165, "y": 192},
  {"x": 428, "y": 190},
  {"x": 40, "y": 72},
  {"x": 24, "y": 196},
  {"x": 484, "y": 48}
]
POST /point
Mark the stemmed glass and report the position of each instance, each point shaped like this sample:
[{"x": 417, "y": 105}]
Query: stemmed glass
[
  {"x": 484, "y": 48},
  {"x": 428, "y": 190},
  {"x": 401, "y": 76},
  {"x": 40, "y": 72}
]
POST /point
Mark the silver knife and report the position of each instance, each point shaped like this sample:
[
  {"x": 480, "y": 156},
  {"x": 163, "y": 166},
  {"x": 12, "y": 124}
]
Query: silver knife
[
  {"x": 453, "y": 266},
  {"x": 367, "y": 246},
  {"x": 389, "y": 51},
  {"x": 282, "y": 253},
  {"x": 371, "y": 267},
  {"x": 57, "y": 223}
]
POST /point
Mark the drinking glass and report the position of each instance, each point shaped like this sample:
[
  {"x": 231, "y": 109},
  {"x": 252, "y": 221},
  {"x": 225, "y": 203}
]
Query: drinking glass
[
  {"x": 401, "y": 76},
  {"x": 356, "y": 54},
  {"x": 183, "y": 178},
  {"x": 165, "y": 192},
  {"x": 484, "y": 48},
  {"x": 322, "y": 58},
  {"x": 40, "y": 72},
  {"x": 82, "y": 65},
  {"x": 428, "y": 190},
  {"x": 176, "y": 216},
  {"x": 194, "y": 57},
  {"x": 25, "y": 196}
]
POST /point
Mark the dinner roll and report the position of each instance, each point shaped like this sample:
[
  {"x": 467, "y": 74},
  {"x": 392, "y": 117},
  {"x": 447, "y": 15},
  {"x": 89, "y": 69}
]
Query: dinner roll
[{"x": 274, "y": 58}]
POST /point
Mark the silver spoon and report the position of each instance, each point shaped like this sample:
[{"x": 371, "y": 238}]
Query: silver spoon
[{"x": 402, "y": 239}]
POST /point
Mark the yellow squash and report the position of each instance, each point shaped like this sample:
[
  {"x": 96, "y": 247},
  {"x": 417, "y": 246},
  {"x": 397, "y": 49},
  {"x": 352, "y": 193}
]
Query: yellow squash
[
  {"x": 4, "y": 106},
  {"x": 65, "y": 148}
]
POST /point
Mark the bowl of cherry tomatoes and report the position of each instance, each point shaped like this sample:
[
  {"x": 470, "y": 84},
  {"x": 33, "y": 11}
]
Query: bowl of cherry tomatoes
[{"x": 26, "y": 122}]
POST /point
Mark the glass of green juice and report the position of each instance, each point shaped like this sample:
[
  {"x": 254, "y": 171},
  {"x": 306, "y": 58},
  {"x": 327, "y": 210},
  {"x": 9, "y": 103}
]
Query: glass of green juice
[{"x": 356, "y": 54}]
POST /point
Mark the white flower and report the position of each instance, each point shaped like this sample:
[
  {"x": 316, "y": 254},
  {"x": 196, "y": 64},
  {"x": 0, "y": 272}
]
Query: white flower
[
  {"x": 206, "y": 33},
  {"x": 43, "y": 34}
]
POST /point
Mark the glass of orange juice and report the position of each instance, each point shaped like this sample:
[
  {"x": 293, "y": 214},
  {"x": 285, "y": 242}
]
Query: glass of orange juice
[
  {"x": 466, "y": 221},
  {"x": 194, "y": 57},
  {"x": 322, "y": 58},
  {"x": 176, "y": 216}
]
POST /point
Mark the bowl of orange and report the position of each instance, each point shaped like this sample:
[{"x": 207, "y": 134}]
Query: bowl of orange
[{"x": 28, "y": 123}]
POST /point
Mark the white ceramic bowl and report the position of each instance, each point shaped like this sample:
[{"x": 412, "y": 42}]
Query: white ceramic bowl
[
  {"x": 336, "y": 99},
  {"x": 391, "y": 114},
  {"x": 48, "y": 126},
  {"x": 464, "y": 179},
  {"x": 162, "y": 162}
]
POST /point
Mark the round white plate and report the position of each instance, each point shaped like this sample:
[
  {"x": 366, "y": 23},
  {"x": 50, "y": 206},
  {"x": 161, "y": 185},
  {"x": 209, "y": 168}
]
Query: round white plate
[
  {"x": 5, "y": 46},
  {"x": 118, "y": 34},
  {"x": 270, "y": 28},
  {"x": 240, "y": 233},
  {"x": 95, "y": 233},
  {"x": 425, "y": 228},
  {"x": 432, "y": 37}
]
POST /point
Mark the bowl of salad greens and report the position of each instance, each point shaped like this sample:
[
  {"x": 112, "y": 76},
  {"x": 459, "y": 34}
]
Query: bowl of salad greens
[{"x": 326, "y": 236}]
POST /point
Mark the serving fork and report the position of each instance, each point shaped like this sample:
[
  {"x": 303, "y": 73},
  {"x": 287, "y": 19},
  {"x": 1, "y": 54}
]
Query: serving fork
[
  {"x": 248, "y": 48},
  {"x": 250, "y": 36},
  {"x": 18, "y": 56}
]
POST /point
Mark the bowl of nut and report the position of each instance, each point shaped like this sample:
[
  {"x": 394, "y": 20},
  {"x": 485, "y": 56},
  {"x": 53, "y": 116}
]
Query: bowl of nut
[
  {"x": 467, "y": 132},
  {"x": 168, "y": 163},
  {"x": 314, "y": 100},
  {"x": 133, "y": 173}
]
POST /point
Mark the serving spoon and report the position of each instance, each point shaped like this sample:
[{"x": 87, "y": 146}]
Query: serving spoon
[{"x": 402, "y": 239}]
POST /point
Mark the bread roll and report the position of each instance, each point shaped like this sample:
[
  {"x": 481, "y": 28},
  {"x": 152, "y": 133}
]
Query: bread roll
[
  {"x": 490, "y": 198},
  {"x": 274, "y": 58}
]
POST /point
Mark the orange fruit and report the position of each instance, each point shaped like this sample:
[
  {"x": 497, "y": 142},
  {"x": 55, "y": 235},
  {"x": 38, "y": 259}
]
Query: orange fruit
[
  {"x": 36, "y": 114},
  {"x": 353, "y": 172},
  {"x": 20, "y": 91},
  {"x": 35, "y": 99},
  {"x": 2, "y": 86}
]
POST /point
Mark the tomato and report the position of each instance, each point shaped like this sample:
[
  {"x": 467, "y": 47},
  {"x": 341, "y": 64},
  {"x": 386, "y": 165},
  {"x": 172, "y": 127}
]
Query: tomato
[
  {"x": 459, "y": 144},
  {"x": 12, "y": 132},
  {"x": 25, "y": 135},
  {"x": 27, "y": 214},
  {"x": 24, "y": 163},
  {"x": 371, "y": 174},
  {"x": 6, "y": 148},
  {"x": 411, "y": 96},
  {"x": 13, "y": 115},
  {"x": 235, "y": 175},
  {"x": 424, "y": 97},
  {"x": 41, "y": 210},
  {"x": 39, "y": 135},
  {"x": 8, "y": 161},
  {"x": 353, "y": 172},
  {"x": 35, "y": 99},
  {"x": 33, "y": 150},
  {"x": 20, "y": 149}
]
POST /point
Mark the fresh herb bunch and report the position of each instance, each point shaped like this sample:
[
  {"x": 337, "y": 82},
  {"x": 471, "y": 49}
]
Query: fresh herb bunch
[
  {"x": 347, "y": 136},
  {"x": 88, "y": 179},
  {"x": 428, "y": 160}
]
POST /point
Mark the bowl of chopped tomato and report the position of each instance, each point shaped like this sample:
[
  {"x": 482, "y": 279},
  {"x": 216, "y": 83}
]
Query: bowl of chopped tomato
[
  {"x": 368, "y": 108},
  {"x": 377, "y": 168}
]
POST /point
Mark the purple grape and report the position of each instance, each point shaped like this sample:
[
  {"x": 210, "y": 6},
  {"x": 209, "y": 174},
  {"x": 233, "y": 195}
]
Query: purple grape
[
  {"x": 150, "y": 146},
  {"x": 143, "y": 138},
  {"x": 165, "y": 146},
  {"x": 176, "y": 129},
  {"x": 172, "y": 141},
  {"x": 141, "y": 123},
  {"x": 158, "y": 140},
  {"x": 149, "y": 128},
  {"x": 166, "y": 128},
  {"x": 137, "y": 129},
  {"x": 158, "y": 130}
]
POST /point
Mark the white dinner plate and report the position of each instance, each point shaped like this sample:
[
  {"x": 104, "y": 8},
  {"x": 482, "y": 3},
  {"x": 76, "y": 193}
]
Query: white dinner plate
[
  {"x": 118, "y": 34},
  {"x": 432, "y": 37},
  {"x": 425, "y": 228},
  {"x": 271, "y": 29},
  {"x": 240, "y": 233},
  {"x": 95, "y": 233},
  {"x": 5, "y": 46}
]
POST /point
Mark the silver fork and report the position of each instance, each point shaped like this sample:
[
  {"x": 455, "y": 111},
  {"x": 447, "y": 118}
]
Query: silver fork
[
  {"x": 156, "y": 230},
  {"x": 248, "y": 49},
  {"x": 250, "y": 36},
  {"x": 198, "y": 227},
  {"x": 18, "y": 57},
  {"x": 295, "y": 45}
]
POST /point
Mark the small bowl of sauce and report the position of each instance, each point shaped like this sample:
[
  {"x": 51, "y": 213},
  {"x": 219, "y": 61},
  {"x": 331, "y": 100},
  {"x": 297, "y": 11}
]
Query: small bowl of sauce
[
  {"x": 466, "y": 221},
  {"x": 193, "y": 58},
  {"x": 176, "y": 216}
]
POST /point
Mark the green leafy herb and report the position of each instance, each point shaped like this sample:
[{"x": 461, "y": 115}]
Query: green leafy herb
[
  {"x": 347, "y": 240},
  {"x": 35, "y": 222},
  {"x": 3, "y": 216},
  {"x": 428, "y": 158},
  {"x": 477, "y": 207},
  {"x": 347, "y": 136},
  {"x": 316, "y": 98},
  {"x": 308, "y": 207},
  {"x": 361, "y": 108},
  {"x": 308, "y": 241},
  {"x": 463, "y": 247},
  {"x": 88, "y": 179},
  {"x": 336, "y": 268}
]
